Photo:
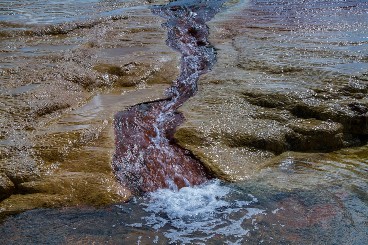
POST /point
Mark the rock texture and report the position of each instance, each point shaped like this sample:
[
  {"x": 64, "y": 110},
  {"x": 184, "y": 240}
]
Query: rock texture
[
  {"x": 58, "y": 105},
  {"x": 273, "y": 91}
]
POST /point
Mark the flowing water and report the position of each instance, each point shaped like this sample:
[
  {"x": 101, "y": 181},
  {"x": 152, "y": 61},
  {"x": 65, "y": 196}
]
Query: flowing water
[
  {"x": 212, "y": 213},
  {"x": 297, "y": 198},
  {"x": 146, "y": 157}
]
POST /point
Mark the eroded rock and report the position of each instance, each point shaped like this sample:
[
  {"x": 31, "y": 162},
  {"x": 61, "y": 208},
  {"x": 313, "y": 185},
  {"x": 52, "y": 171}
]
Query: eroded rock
[
  {"x": 6, "y": 186},
  {"x": 270, "y": 92},
  {"x": 20, "y": 168},
  {"x": 58, "y": 106},
  {"x": 315, "y": 135}
]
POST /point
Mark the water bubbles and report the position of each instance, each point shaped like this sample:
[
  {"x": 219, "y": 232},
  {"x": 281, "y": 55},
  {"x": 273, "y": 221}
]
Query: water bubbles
[
  {"x": 164, "y": 164},
  {"x": 287, "y": 164},
  {"x": 200, "y": 214}
]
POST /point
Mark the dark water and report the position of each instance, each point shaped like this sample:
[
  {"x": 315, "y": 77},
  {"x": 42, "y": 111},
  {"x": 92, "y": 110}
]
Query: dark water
[{"x": 213, "y": 213}]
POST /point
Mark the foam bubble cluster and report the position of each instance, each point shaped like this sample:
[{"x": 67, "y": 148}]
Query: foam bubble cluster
[{"x": 201, "y": 213}]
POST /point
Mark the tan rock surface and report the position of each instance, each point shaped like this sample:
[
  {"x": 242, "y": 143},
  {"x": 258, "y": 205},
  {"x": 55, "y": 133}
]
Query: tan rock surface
[
  {"x": 56, "y": 138},
  {"x": 265, "y": 96}
]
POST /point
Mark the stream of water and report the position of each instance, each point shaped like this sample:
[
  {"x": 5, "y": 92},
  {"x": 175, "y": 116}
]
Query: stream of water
[{"x": 146, "y": 156}]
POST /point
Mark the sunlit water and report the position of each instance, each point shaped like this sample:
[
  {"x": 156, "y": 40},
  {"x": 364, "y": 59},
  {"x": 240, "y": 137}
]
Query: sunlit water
[
  {"x": 53, "y": 12},
  {"x": 286, "y": 44}
]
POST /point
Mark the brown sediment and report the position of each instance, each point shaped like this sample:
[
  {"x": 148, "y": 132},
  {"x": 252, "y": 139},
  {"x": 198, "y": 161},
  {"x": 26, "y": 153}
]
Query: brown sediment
[
  {"x": 52, "y": 30},
  {"x": 147, "y": 157}
]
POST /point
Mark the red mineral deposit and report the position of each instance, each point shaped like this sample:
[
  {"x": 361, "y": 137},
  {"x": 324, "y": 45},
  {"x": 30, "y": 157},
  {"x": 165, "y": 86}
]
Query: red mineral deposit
[{"x": 147, "y": 157}]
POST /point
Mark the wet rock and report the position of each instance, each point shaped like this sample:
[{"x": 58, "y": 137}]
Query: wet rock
[
  {"x": 356, "y": 86},
  {"x": 231, "y": 163},
  {"x": 114, "y": 69},
  {"x": 52, "y": 99},
  {"x": 19, "y": 203},
  {"x": 57, "y": 140},
  {"x": 20, "y": 169},
  {"x": 190, "y": 135},
  {"x": 48, "y": 108},
  {"x": 71, "y": 187},
  {"x": 352, "y": 115},
  {"x": 4, "y": 152},
  {"x": 268, "y": 100},
  {"x": 268, "y": 122},
  {"x": 264, "y": 96},
  {"x": 86, "y": 82},
  {"x": 194, "y": 141},
  {"x": 125, "y": 76},
  {"x": 6, "y": 186},
  {"x": 262, "y": 134},
  {"x": 315, "y": 135}
]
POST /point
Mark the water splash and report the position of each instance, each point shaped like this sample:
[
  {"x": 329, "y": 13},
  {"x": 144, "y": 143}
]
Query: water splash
[
  {"x": 147, "y": 157},
  {"x": 200, "y": 214}
]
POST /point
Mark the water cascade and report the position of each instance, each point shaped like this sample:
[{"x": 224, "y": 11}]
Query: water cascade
[{"x": 147, "y": 157}]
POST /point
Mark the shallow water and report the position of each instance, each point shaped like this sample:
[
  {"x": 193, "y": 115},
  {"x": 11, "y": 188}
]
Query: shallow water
[
  {"x": 54, "y": 12},
  {"x": 297, "y": 45},
  {"x": 213, "y": 213},
  {"x": 61, "y": 85}
]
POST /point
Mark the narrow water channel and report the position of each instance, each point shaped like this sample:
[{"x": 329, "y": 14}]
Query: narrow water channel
[{"x": 146, "y": 156}]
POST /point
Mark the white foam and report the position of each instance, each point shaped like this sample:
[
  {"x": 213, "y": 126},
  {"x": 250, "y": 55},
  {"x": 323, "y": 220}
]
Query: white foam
[{"x": 198, "y": 214}]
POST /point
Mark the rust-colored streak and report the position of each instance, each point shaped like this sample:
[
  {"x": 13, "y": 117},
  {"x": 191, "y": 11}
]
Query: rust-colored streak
[{"x": 147, "y": 157}]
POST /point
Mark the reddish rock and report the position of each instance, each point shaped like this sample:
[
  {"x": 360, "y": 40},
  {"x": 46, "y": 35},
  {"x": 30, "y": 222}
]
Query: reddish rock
[{"x": 146, "y": 156}]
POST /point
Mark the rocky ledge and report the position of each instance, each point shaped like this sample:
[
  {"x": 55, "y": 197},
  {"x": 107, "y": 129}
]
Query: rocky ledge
[
  {"x": 56, "y": 121},
  {"x": 267, "y": 95}
]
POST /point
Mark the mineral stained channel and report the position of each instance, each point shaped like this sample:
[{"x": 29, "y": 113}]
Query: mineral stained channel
[{"x": 146, "y": 156}]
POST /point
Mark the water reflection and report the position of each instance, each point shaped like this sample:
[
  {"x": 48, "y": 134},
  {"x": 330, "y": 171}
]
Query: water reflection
[
  {"x": 311, "y": 38},
  {"x": 51, "y": 11}
]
